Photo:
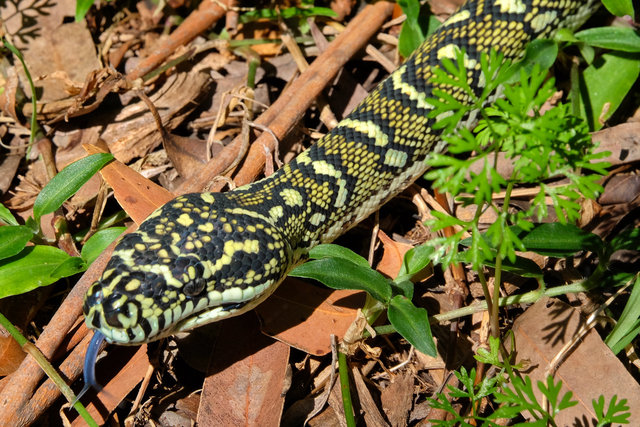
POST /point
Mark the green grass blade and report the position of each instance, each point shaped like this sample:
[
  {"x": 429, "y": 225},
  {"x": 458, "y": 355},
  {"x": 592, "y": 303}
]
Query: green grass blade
[{"x": 66, "y": 183}]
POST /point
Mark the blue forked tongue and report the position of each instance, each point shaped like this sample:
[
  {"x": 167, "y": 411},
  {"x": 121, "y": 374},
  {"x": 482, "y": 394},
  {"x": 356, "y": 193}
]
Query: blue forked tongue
[{"x": 89, "y": 369}]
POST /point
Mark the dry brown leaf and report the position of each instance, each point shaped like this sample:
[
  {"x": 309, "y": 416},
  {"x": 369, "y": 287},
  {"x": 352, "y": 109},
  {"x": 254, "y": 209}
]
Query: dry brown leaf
[
  {"x": 187, "y": 154},
  {"x": 249, "y": 370},
  {"x": 137, "y": 195},
  {"x": 11, "y": 355},
  {"x": 621, "y": 188},
  {"x": 305, "y": 316},
  {"x": 9, "y": 82},
  {"x": 9, "y": 164},
  {"x": 66, "y": 54},
  {"x": 622, "y": 141},
  {"x": 392, "y": 256},
  {"x": 589, "y": 371},
  {"x": 183, "y": 413}
]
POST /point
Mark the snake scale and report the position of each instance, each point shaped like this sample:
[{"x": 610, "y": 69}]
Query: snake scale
[{"x": 203, "y": 257}]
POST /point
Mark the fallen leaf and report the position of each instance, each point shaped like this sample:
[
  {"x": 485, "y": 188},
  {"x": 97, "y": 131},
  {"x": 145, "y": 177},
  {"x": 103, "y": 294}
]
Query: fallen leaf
[
  {"x": 137, "y": 195},
  {"x": 62, "y": 57},
  {"x": 368, "y": 406},
  {"x": 621, "y": 188},
  {"x": 305, "y": 316},
  {"x": 590, "y": 370},
  {"x": 248, "y": 373},
  {"x": 392, "y": 256},
  {"x": 133, "y": 132},
  {"x": 11, "y": 355},
  {"x": 622, "y": 141}
]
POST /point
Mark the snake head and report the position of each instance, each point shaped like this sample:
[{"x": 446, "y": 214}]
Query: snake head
[{"x": 198, "y": 259}]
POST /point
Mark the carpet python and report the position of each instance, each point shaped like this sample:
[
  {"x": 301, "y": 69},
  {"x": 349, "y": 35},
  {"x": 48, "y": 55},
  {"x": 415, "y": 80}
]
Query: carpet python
[{"x": 208, "y": 256}]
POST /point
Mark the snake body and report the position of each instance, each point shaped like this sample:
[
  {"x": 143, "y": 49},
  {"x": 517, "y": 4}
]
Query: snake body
[{"x": 203, "y": 257}]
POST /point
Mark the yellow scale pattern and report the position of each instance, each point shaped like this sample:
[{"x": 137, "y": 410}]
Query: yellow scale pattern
[{"x": 204, "y": 257}]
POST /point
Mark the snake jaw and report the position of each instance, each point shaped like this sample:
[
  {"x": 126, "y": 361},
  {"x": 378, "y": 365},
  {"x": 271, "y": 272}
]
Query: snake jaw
[{"x": 176, "y": 273}]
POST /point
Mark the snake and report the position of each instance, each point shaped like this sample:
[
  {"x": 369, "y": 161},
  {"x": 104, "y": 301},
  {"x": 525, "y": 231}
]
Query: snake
[{"x": 204, "y": 257}]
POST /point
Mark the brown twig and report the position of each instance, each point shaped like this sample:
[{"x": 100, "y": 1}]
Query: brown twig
[
  {"x": 196, "y": 23},
  {"x": 289, "y": 108}
]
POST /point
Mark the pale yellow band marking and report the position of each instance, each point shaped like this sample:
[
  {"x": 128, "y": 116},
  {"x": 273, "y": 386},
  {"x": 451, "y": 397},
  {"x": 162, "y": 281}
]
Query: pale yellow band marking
[
  {"x": 398, "y": 84},
  {"x": 462, "y": 16},
  {"x": 370, "y": 129},
  {"x": 511, "y": 6}
]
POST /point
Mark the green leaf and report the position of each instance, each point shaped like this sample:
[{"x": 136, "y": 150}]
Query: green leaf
[
  {"x": 66, "y": 183},
  {"x": 6, "y": 216},
  {"x": 542, "y": 52},
  {"x": 29, "y": 269},
  {"x": 491, "y": 356},
  {"x": 628, "y": 325},
  {"x": 411, "y": 34},
  {"x": 402, "y": 287},
  {"x": 82, "y": 7},
  {"x": 598, "y": 89},
  {"x": 328, "y": 250},
  {"x": 69, "y": 267},
  {"x": 410, "y": 38},
  {"x": 617, "y": 412},
  {"x": 628, "y": 239},
  {"x": 98, "y": 243},
  {"x": 338, "y": 273},
  {"x": 415, "y": 260},
  {"x": 551, "y": 239},
  {"x": 32, "y": 224},
  {"x": 412, "y": 323},
  {"x": 565, "y": 35},
  {"x": 619, "y": 7},
  {"x": 432, "y": 25},
  {"x": 615, "y": 38},
  {"x": 560, "y": 240},
  {"x": 13, "y": 239}
]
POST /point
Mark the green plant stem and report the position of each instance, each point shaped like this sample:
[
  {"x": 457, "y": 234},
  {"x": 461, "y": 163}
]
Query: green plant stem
[
  {"x": 343, "y": 370},
  {"x": 253, "y": 60},
  {"x": 48, "y": 369},
  {"x": 495, "y": 301},
  {"x": 35, "y": 129},
  {"x": 372, "y": 309},
  {"x": 485, "y": 289},
  {"x": 575, "y": 89},
  {"x": 495, "y": 324},
  {"x": 528, "y": 298}
]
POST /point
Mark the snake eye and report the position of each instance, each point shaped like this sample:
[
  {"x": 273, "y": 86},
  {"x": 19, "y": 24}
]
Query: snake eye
[{"x": 195, "y": 287}]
